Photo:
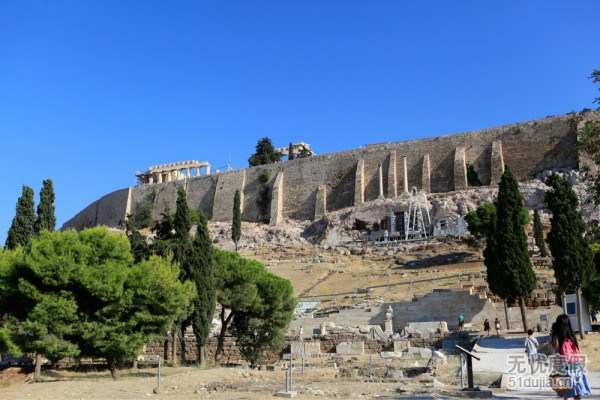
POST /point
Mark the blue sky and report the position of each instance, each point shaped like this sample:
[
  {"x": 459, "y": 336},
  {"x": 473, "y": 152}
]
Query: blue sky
[{"x": 91, "y": 91}]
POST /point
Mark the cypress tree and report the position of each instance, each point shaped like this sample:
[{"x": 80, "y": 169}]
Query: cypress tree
[
  {"x": 290, "y": 152},
  {"x": 200, "y": 271},
  {"x": 236, "y": 224},
  {"x": 511, "y": 271},
  {"x": 573, "y": 260},
  {"x": 21, "y": 230},
  {"x": 181, "y": 221},
  {"x": 45, "y": 210},
  {"x": 538, "y": 234}
]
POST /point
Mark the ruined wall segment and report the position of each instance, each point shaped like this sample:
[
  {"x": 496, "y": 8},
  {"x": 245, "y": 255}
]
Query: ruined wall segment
[
  {"x": 277, "y": 200},
  {"x": 497, "y": 163},
  {"x": 460, "y": 169},
  {"x": 351, "y": 177},
  {"x": 223, "y": 193}
]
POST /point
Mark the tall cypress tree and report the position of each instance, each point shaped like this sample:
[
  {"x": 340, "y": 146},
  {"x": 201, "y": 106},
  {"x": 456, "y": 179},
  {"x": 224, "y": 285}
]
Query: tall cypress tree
[
  {"x": 45, "y": 210},
  {"x": 236, "y": 224},
  {"x": 290, "y": 152},
  {"x": 200, "y": 271},
  {"x": 21, "y": 230},
  {"x": 573, "y": 260},
  {"x": 511, "y": 272},
  {"x": 181, "y": 221},
  {"x": 538, "y": 234}
]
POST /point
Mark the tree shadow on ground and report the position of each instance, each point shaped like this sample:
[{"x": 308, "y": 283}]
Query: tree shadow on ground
[{"x": 441, "y": 259}]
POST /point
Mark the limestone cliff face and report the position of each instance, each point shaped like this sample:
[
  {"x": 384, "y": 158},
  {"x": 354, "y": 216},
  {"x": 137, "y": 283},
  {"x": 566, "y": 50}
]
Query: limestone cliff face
[{"x": 307, "y": 189}]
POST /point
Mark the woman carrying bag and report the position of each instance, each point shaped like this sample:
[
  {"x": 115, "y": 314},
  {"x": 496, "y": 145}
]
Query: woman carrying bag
[{"x": 572, "y": 374}]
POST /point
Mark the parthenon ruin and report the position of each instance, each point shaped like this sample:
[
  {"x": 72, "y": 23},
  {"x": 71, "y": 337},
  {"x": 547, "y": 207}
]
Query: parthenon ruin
[{"x": 172, "y": 172}]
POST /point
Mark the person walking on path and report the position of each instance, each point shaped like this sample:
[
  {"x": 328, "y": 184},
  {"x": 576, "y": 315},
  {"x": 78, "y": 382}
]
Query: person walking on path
[
  {"x": 461, "y": 322},
  {"x": 531, "y": 346},
  {"x": 572, "y": 362},
  {"x": 486, "y": 326},
  {"x": 497, "y": 326}
]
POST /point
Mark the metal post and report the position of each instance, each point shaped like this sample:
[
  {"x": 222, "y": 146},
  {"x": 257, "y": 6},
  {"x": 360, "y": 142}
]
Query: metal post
[
  {"x": 470, "y": 371},
  {"x": 291, "y": 358},
  {"x": 462, "y": 371},
  {"x": 158, "y": 372},
  {"x": 370, "y": 366}
]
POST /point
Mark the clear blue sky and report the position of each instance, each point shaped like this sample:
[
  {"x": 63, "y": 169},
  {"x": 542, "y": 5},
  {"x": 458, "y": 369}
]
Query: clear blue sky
[{"x": 91, "y": 91}]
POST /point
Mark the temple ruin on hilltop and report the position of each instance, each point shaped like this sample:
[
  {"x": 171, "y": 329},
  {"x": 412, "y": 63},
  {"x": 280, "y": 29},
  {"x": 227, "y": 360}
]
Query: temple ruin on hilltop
[
  {"x": 172, "y": 172},
  {"x": 310, "y": 188}
]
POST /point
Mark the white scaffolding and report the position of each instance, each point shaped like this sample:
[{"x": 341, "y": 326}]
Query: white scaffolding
[{"x": 417, "y": 221}]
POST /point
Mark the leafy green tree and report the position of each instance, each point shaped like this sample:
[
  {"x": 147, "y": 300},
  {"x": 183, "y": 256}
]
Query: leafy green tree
[
  {"x": 573, "y": 265},
  {"x": 39, "y": 317},
  {"x": 257, "y": 306},
  {"x": 506, "y": 258},
  {"x": 592, "y": 290},
  {"x": 144, "y": 217},
  {"x": 482, "y": 220},
  {"x": 595, "y": 77},
  {"x": 21, "y": 230},
  {"x": 588, "y": 143},
  {"x": 81, "y": 294},
  {"x": 262, "y": 327},
  {"x": 45, "y": 210},
  {"x": 141, "y": 247},
  {"x": 290, "y": 152},
  {"x": 235, "y": 281},
  {"x": 265, "y": 153},
  {"x": 236, "y": 224},
  {"x": 7, "y": 345},
  {"x": 199, "y": 265},
  {"x": 538, "y": 234}
]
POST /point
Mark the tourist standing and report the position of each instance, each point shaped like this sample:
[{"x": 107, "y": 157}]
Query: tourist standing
[
  {"x": 461, "y": 321},
  {"x": 531, "y": 346}
]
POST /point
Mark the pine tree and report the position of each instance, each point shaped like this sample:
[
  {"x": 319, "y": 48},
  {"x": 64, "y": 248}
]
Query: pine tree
[
  {"x": 510, "y": 274},
  {"x": 573, "y": 262},
  {"x": 265, "y": 153},
  {"x": 200, "y": 271},
  {"x": 538, "y": 234},
  {"x": 236, "y": 224},
  {"x": 45, "y": 210},
  {"x": 21, "y": 230}
]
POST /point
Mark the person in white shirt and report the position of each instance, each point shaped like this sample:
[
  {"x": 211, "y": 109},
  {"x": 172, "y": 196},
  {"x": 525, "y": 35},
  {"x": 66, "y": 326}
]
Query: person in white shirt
[{"x": 531, "y": 346}]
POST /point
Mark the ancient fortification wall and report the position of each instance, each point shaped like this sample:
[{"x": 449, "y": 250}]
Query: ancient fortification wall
[{"x": 308, "y": 188}]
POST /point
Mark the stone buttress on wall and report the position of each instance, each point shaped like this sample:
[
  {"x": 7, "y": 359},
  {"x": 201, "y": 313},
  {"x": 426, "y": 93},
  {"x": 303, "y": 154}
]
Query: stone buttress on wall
[{"x": 316, "y": 185}]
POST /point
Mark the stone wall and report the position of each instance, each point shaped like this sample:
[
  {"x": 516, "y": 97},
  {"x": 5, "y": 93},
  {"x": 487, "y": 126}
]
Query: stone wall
[
  {"x": 439, "y": 305},
  {"x": 435, "y": 163},
  {"x": 108, "y": 210}
]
